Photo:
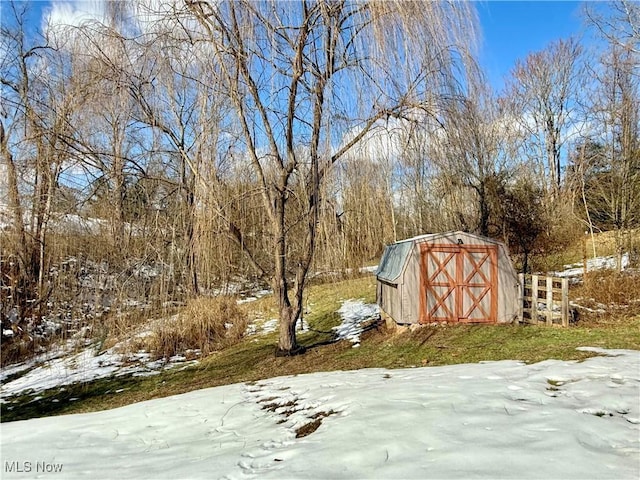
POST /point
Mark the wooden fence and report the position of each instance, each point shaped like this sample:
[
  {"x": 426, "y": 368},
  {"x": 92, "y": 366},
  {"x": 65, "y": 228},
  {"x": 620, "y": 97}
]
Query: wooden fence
[{"x": 544, "y": 300}]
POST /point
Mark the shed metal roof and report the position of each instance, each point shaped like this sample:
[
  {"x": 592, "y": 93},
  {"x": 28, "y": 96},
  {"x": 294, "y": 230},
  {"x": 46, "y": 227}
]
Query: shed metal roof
[{"x": 393, "y": 260}]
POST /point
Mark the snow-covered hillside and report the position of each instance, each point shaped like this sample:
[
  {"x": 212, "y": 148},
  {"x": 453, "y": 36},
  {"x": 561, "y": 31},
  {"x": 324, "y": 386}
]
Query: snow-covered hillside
[
  {"x": 76, "y": 361},
  {"x": 553, "y": 419}
]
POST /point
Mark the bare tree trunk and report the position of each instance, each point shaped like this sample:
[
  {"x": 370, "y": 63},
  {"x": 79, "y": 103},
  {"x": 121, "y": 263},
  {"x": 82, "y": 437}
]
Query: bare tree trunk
[
  {"x": 190, "y": 239},
  {"x": 287, "y": 343},
  {"x": 484, "y": 209},
  {"x": 584, "y": 199},
  {"x": 118, "y": 196},
  {"x": 13, "y": 193}
]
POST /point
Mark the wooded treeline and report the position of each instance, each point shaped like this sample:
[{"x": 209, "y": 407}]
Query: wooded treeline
[{"x": 183, "y": 145}]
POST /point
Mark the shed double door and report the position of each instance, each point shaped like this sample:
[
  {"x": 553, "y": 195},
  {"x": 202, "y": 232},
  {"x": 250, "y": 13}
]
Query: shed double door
[{"x": 459, "y": 283}]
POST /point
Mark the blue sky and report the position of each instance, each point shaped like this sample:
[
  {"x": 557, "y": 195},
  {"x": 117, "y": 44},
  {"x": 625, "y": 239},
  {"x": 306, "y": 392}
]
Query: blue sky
[{"x": 510, "y": 29}]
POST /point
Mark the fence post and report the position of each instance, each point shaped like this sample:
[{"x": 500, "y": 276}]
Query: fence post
[
  {"x": 534, "y": 299},
  {"x": 565, "y": 302},
  {"x": 549, "y": 301},
  {"x": 521, "y": 294}
]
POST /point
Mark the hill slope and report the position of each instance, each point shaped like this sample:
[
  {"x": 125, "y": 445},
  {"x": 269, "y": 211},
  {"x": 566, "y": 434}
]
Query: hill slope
[{"x": 554, "y": 419}]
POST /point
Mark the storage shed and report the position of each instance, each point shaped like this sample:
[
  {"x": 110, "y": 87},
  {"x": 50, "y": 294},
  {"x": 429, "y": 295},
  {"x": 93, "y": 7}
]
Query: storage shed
[{"x": 452, "y": 277}]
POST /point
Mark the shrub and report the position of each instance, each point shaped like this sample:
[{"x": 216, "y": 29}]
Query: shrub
[{"x": 205, "y": 324}]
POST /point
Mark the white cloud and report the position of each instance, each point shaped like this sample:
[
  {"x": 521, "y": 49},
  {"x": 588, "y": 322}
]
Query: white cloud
[
  {"x": 389, "y": 139},
  {"x": 74, "y": 13}
]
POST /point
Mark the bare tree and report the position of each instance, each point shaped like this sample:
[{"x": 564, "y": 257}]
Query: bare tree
[
  {"x": 618, "y": 21},
  {"x": 367, "y": 213},
  {"x": 542, "y": 93},
  {"x": 308, "y": 80},
  {"x": 612, "y": 166},
  {"x": 422, "y": 208},
  {"x": 39, "y": 101},
  {"x": 109, "y": 139},
  {"x": 470, "y": 155}
]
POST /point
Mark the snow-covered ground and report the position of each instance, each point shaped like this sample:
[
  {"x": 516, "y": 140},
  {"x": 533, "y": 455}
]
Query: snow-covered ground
[
  {"x": 554, "y": 419},
  {"x": 67, "y": 367},
  {"x": 355, "y": 316},
  {"x": 79, "y": 360},
  {"x": 598, "y": 263},
  {"x": 254, "y": 296},
  {"x": 73, "y": 363},
  {"x": 262, "y": 327},
  {"x": 339, "y": 273}
]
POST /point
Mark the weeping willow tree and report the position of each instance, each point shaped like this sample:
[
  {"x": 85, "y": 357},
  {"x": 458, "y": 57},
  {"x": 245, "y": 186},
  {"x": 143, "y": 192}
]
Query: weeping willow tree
[{"x": 308, "y": 80}]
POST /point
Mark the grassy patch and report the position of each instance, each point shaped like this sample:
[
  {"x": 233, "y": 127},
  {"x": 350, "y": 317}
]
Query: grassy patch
[
  {"x": 253, "y": 357},
  {"x": 73, "y": 398},
  {"x": 468, "y": 343}
]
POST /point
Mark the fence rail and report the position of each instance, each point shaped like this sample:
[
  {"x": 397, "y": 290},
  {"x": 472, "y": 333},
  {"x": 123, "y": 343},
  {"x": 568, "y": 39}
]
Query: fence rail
[{"x": 544, "y": 300}]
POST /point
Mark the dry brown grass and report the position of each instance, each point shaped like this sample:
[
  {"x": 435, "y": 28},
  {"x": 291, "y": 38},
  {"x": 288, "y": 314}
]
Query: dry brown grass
[
  {"x": 577, "y": 244},
  {"x": 611, "y": 291},
  {"x": 609, "y": 287},
  {"x": 120, "y": 325},
  {"x": 17, "y": 349},
  {"x": 205, "y": 324}
]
